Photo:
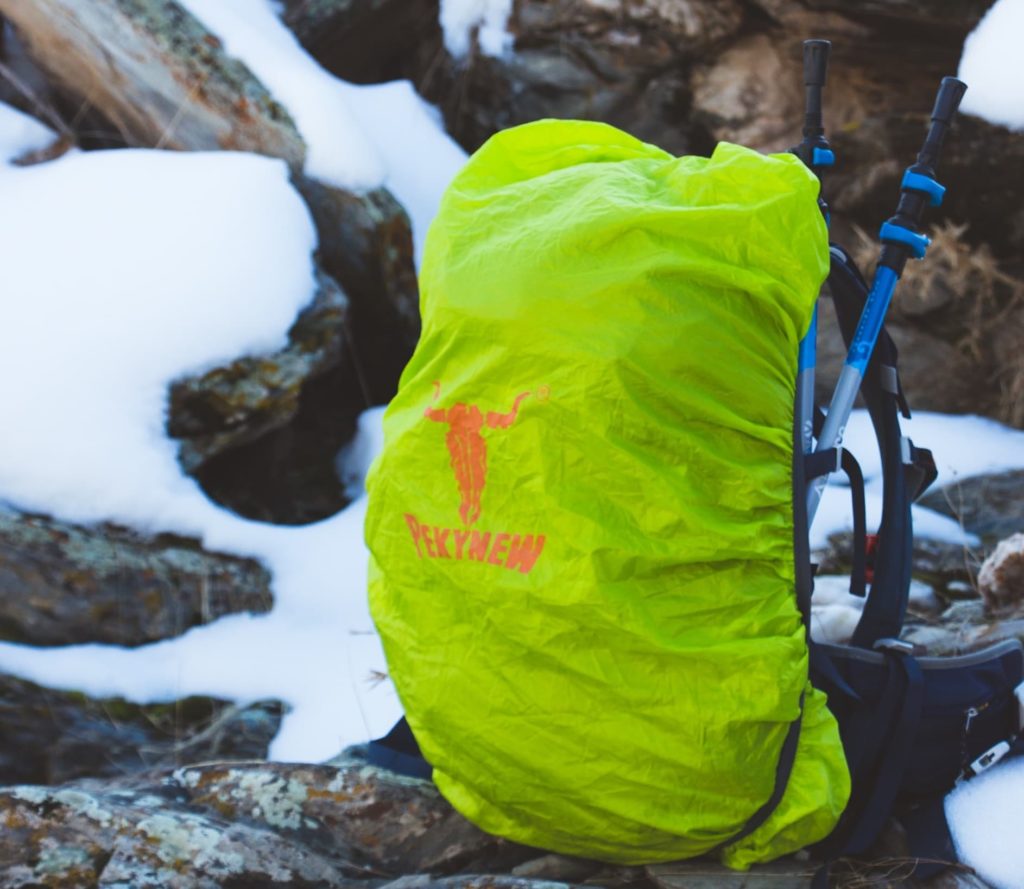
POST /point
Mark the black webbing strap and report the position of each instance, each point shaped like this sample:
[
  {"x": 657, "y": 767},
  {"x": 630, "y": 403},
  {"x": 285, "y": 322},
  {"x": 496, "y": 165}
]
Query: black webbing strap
[
  {"x": 878, "y": 755},
  {"x": 894, "y": 758},
  {"x": 928, "y": 837},
  {"x": 830, "y": 460}
]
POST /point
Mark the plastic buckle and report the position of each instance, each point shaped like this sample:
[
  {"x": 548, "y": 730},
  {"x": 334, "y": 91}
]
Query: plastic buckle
[
  {"x": 897, "y": 234},
  {"x": 823, "y": 157},
  {"x": 988, "y": 759},
  {"x": 924, "y": 184},
  {"x": 897, "y": 646}
]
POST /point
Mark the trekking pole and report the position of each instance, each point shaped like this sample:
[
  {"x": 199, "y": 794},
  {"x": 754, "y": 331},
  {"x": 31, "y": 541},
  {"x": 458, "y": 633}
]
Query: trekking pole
[
  {"x": 900, "y": 240},
  {"x": 814, "y": 151}
]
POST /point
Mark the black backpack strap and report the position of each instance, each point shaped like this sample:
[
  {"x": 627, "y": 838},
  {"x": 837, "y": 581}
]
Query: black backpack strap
[
  {"x": 920, "y": 469},
  {"x": 928, "y": 837},
  {"x": 399, "y": 752},
  {"x": 832, "y": 460},
  {"x": 887, "y": 603},
  {"x": 878, "y": 750}
]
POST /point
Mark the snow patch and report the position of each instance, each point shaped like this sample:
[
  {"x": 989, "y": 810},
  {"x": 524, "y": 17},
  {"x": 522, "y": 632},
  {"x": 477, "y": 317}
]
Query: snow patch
[
  {"x": 357, "y": 137},
  {"x": 488, "y": 18},
  {"x": 985, "y": 816},
  {"x": 992, "y": 66}
]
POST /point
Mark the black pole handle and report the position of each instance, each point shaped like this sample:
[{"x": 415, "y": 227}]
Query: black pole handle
[
  {"x": 816, "y": 53},
  {"x": 947, "y": 101}
]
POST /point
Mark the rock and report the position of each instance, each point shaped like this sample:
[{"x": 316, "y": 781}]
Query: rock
[
  {"x": 1001, "y": 578},
  {"x": 367, "y": 816},
  {"x": 364, "y": 41},
  {"x": 991, "y": 506},
  {"x": 959, "y": 16},
  {"x": 557, "y": 867},
  {"x": 159, "y": 76},
  {"x": 621, "y": 62},
  {"x": 234, "y": 405},
  {"x": 703, "y": 874},
  {"x": 261, "y": 433},
  {"x": 86, "y": 837},
  {"x": 244, "y": 824},
  {"x": 64, "y": 584},
  {"x": 366, "y": 244},
  {"x": 731, "y": 95},
  {"x": 964, "y": 627},
  {"x": 50, "y": 736},
  {"x": 472, "y": 881}
]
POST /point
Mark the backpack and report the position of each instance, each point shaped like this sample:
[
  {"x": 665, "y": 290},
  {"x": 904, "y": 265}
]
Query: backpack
[{"x": 588, "y": 524}]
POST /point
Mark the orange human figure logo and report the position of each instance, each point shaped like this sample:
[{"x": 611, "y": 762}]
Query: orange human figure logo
[{"x": 467, "y": 446}]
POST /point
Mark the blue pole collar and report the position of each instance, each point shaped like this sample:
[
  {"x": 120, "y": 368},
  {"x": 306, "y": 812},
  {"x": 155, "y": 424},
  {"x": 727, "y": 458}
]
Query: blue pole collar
[
  {"x": 823, "y": 157},
  {"x": 891, "y": 233},
  {"x": 924, "y": 184}
]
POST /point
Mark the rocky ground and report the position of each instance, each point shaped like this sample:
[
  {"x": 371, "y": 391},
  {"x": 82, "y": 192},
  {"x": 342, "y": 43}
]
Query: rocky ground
[{"x": 105, "y": 792}]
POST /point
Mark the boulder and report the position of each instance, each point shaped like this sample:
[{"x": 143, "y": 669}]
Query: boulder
[
  {"x": 234, "y": 405},
  {"x": 366, "y": 244},
  {"x": 63, "y": 584},
  {"x": 51, "y": 737},
  {"x": 991, "y": 506},
  {"x": 958, "y": 17},
  {"x": 88, "y": 837},
  {"x": 261, "y": 433},
  {"x": 343, "y": 824},
  {"x": 156, "y": 73},
  {"x": 364, "y": 41},
  {"x": 245, "y": 824},
  {"x": 1001, "y": 578},
  {"x": 621, "y": 62}
]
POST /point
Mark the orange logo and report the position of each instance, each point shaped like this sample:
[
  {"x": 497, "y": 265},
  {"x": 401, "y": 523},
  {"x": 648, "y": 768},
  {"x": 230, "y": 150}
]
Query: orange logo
[
  {"x": 467, "y": 446},
  {"x": 467, "y": 449}
]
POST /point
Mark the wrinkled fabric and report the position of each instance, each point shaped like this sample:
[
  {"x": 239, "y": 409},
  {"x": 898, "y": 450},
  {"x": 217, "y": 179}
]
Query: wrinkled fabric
[{"x": 581, "y": 525}]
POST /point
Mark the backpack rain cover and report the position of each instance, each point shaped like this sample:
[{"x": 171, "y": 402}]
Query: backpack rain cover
[{"x": 581, "y": 522}]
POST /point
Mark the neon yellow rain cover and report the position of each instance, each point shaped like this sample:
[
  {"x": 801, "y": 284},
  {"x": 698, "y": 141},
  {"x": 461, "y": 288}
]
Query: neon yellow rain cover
[{"x": 581, "y": 524}]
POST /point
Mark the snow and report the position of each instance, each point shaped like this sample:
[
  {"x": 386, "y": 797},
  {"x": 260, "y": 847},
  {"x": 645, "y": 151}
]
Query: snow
[
  {"x": 489, "y": 18},
  {"x": 357, "y": 137},
  {"x": 985, "y": 816},
  {"x": 992, "y": 66}
]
